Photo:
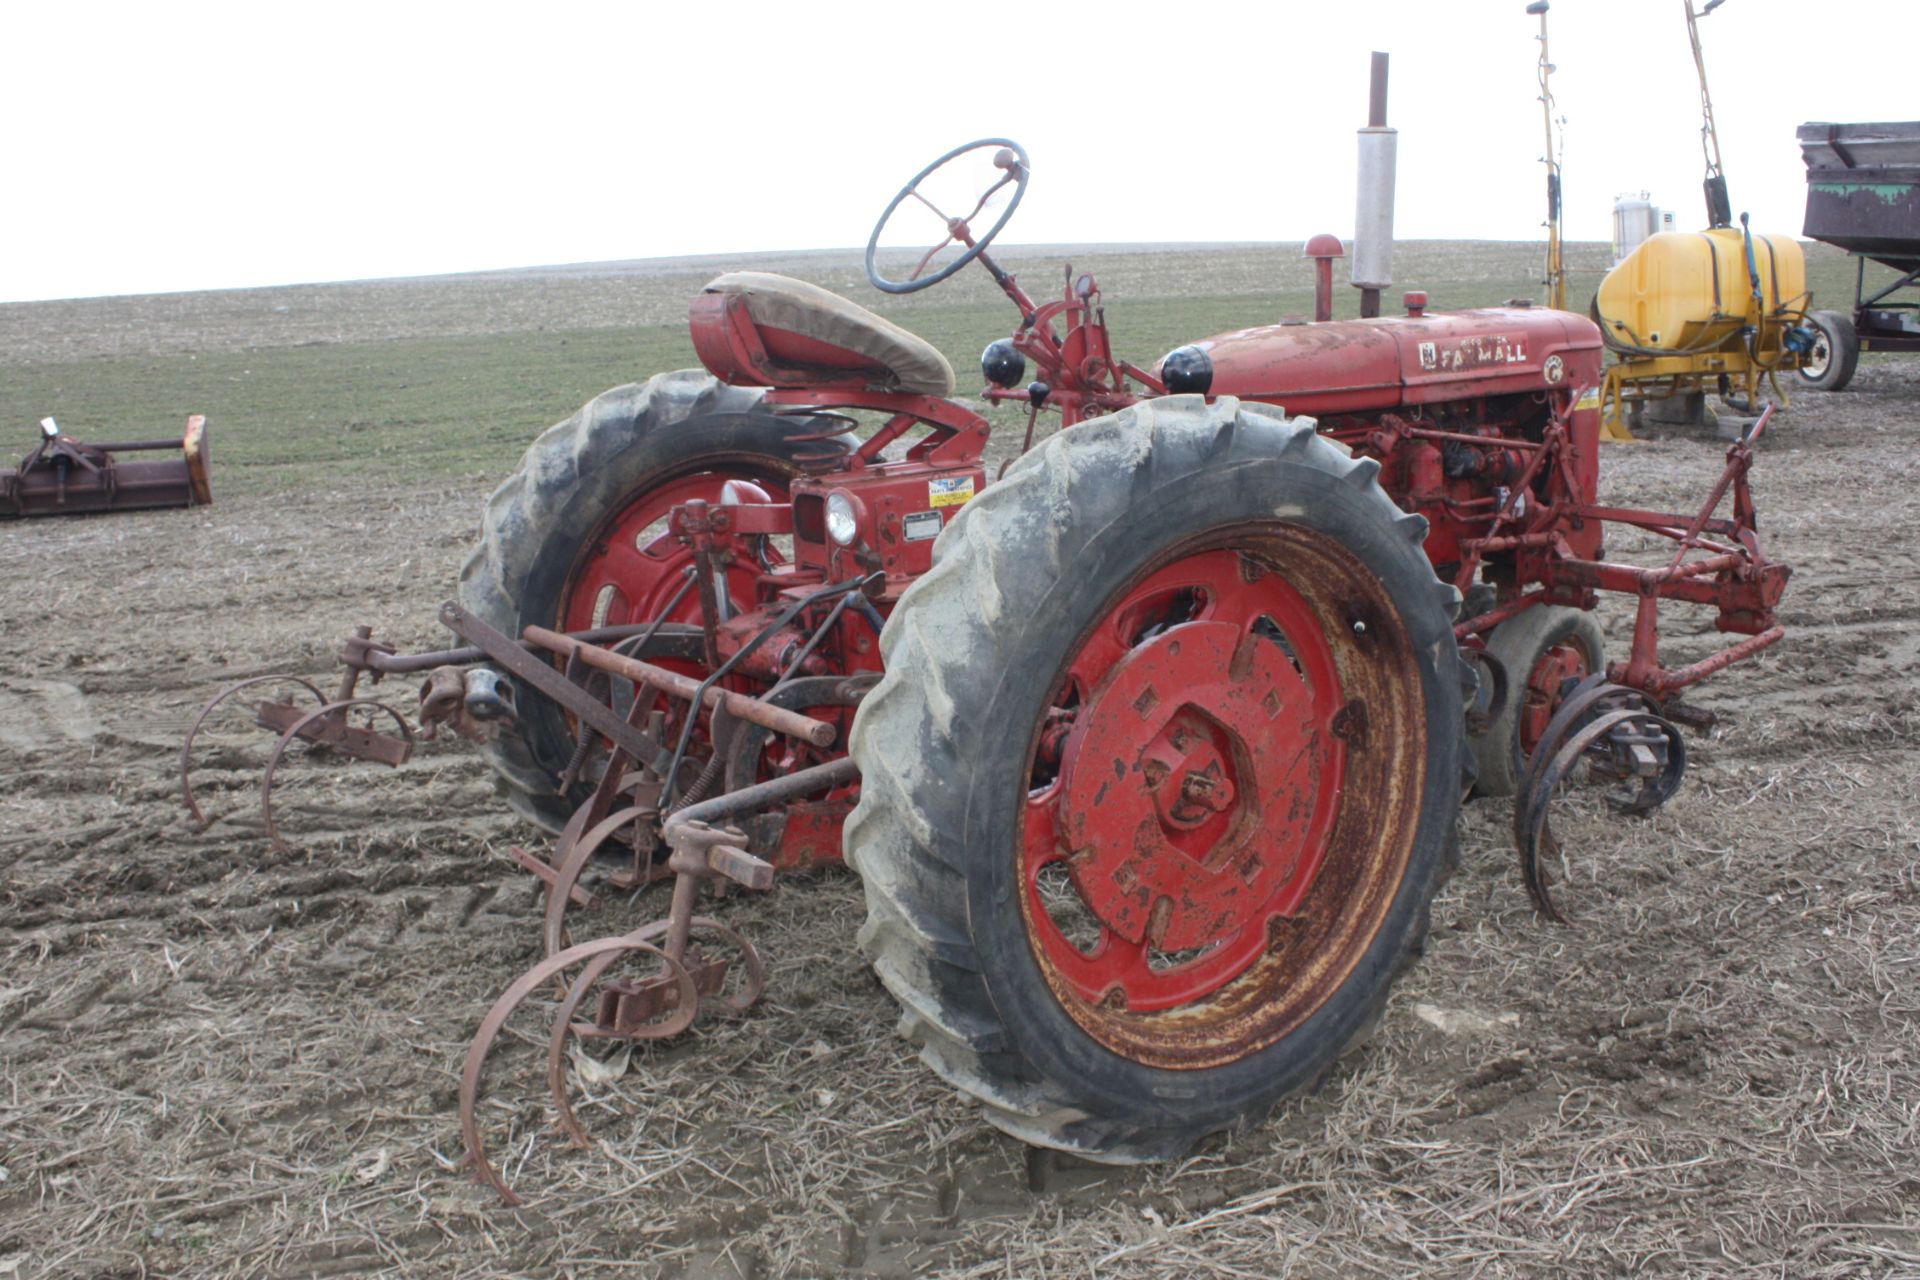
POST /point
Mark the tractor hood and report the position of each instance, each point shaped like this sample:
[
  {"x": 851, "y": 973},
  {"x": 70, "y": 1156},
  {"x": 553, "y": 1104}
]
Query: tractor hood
[{"x": 1356, "y": 366}]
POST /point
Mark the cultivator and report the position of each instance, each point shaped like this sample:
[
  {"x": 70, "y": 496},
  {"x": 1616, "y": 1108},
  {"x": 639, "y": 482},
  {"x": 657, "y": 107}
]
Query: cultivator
[
  {"x": 625, "y": 708},
  {"x": 1156, "y": 766}
]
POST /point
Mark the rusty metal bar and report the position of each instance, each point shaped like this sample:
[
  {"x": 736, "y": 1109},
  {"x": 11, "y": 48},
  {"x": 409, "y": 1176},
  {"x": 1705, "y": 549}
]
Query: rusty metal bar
[
  {"x": 1739, "y": 458},
  {"x": 1483, "y": 442},
  {"x": 1693, "y": 568},
  {"x": 790, "y": 786},
  {"x": 401, "y": 664},
  {"x": 791, "y": 723},
  {"x": 544, "y": 678},
  {"x": 1663, "y": 522},
  {"x": 1494, "y": 617},
  {"x": 1511, "y": 542},
  {"x": 1662, "y": 682}
]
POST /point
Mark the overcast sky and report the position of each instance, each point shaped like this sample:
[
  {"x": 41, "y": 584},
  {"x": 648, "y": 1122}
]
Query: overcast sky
[{"x": 176, "y": 146}]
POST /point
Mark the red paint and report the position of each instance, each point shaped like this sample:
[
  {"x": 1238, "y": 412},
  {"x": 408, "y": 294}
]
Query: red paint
[
  {"x": 1324, "y": 249},
  {"x": 1201, "y": 780},
  {"x": 1472, "y": 416},
  {"x": 1394, "y": 362},
  {"x": 1557, "y": 667}
]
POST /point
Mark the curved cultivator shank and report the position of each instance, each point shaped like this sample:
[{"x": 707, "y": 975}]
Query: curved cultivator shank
[
  {"x": 329, "y": 725},
  {"x": 1620, "y": 734}
]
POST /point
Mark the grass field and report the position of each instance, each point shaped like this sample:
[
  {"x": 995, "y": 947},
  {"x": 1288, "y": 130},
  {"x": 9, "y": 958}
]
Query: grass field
[{"x": 450, "y": 377}]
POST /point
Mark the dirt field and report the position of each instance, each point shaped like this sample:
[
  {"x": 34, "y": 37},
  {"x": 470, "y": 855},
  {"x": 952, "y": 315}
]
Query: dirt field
[{"x": 219, "y": 1061}]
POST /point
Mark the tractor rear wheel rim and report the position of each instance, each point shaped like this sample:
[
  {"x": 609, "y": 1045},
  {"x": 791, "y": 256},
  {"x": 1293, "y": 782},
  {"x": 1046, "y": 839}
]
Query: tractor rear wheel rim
[
  {"x": 632, "y": 566},
  {"x": 1211, "y": 832}
]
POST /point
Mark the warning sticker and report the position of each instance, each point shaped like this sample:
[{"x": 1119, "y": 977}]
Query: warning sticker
[
  {"x": 921, "y": 525},
  {"x": 949, "y": 491}
]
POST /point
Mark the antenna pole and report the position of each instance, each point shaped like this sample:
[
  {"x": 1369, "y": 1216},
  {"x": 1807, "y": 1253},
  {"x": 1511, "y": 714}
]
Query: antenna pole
[
  {"x": 1719, "y": 208},
  {"x": 1556, "y": 280}
]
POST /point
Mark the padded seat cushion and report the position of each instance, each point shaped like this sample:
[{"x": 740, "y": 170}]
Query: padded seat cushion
[{"x": 854, "y": 337}]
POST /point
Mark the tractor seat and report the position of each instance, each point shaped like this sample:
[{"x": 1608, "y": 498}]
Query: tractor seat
[{"x": 755, "y": 329}]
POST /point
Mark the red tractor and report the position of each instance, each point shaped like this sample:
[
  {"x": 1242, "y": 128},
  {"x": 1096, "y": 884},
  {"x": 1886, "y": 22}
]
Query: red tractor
[{"x": 1148, "y": 751}]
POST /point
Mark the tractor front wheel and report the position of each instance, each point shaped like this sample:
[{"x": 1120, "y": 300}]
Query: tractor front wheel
[
  {"x": 1546, "y": 651},
  {"x": 1160, "y": 779}
]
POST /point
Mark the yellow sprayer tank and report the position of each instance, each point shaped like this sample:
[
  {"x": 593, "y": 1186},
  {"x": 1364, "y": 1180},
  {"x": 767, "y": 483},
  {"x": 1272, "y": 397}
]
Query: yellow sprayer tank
[{"x": 1686, "y": 292}]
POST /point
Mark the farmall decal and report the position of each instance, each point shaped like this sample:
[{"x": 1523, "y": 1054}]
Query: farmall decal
[{"x": 1479, "y": 351}]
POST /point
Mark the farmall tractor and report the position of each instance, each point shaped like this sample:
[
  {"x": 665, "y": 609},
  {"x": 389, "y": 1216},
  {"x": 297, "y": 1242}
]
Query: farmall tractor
[{"x": 1148, "y": 751}]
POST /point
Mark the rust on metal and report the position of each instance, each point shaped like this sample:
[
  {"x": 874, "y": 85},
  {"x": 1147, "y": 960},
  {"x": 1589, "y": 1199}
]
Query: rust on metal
[
  {"x": 685, "y": 1000},
  {"x": 332, "y": 731},
  {"x": 1616, "y": 729},
  {"x": 497, "y": 1017},
  {"x": 193, "y": 730},
  {"x": 302, "y": 726},
  {"x": 545, "y": 679},
  {"x": 543, "y": 871},
  {"x": 753, "y": 710},
  {"x": 64, "y": 476}
]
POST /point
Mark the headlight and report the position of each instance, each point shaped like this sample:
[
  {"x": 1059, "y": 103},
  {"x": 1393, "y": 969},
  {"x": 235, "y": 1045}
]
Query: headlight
[
  {"x": 1002, "y": 364},
  {"x": 843, "y": 526}
]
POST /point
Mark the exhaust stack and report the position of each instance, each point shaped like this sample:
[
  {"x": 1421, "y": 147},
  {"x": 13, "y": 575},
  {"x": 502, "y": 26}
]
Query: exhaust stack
[{"x": 1372, "y": 267}]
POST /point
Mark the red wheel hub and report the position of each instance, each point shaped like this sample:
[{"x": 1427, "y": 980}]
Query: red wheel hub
[
  {"x": 633, "y": 566},
  {"x": 1197, "y": 787},
  {"x": 1558, "y": 668}
]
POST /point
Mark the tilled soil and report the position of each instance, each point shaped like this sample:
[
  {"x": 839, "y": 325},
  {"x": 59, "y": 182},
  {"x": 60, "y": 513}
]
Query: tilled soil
[{"x": 220, "y": 1060}]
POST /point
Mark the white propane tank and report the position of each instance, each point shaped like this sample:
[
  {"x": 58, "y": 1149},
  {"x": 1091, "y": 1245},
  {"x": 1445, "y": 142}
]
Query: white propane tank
[{"x": 1634, "y": 219}]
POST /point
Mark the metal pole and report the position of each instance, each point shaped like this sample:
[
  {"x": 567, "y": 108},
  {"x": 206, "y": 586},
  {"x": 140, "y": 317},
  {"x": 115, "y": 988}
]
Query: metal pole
[{"x": 1556, "y": 279}]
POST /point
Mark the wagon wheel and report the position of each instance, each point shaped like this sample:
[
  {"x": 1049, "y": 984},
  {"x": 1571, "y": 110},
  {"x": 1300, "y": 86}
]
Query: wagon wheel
[
  {"x": 1156, "y": 789},
  {"x": 1835, "y": 355}
]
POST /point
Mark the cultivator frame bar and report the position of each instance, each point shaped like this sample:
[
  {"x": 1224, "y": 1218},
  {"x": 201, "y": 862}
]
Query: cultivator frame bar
[
  {"x": 1623, "y": 721},
  {"x": 1716, "y": 561}
]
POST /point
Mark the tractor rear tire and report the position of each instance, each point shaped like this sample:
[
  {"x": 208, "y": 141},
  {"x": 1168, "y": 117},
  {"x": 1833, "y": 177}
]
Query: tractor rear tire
[
  {"x": 1539, "y": 649},
  {"x": 1303, "y": 655},
  {"x": 1835, "y": 355},
  {"x": 571, "y": 489}
]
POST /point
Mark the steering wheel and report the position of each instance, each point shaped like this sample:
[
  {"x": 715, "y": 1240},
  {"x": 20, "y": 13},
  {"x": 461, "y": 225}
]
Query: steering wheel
[{"x": 1011, "y": 158}]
